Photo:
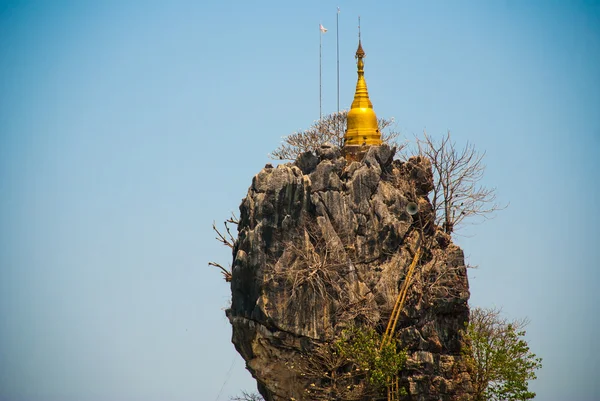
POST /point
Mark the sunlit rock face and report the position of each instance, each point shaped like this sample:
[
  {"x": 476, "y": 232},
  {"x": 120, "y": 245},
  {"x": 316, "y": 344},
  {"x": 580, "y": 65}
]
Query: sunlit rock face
[{"x": 324, "y": 244}]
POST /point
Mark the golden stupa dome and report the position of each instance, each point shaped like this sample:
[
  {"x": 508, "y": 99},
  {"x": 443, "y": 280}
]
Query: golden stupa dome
[{"x": 362, "y": 128}]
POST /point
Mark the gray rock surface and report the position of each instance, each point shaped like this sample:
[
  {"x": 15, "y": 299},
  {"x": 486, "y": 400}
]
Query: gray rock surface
[{"x": 324, "y": 244}]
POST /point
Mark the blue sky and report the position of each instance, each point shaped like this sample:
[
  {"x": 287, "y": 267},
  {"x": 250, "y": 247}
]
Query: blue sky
[{"x": 127, "y": 127}]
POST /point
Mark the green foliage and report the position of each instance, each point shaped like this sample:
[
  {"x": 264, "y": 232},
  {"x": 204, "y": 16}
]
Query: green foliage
[
  {"x": 362, "y": 347},
  {"x": 500, "y": 359}
]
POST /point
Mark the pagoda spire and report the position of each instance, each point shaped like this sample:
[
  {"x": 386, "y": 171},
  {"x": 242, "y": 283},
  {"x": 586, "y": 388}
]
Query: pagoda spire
[{"x": 362, "y": 129}]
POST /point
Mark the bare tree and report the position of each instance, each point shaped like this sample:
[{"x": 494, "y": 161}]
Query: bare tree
[
  {"x": 330, "y": 128},
  {"x": 247, "y": 397},
  {"x": 226, "y": 239},
  {"x": 437, "y": 278},
  {"x": 314, "y": 267},
  {"x": 457, "y": 193}
]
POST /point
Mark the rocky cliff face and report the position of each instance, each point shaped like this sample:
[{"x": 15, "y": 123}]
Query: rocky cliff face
[{"x": 324, "y": 245}]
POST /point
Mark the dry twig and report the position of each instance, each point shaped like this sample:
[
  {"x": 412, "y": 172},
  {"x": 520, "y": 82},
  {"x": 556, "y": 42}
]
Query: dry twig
[
  {"x": 226, "y": 273},
  {"x": 228, "y": 241},
  {"x": 221, "y": 237},
  {"x": 457, "y": 193},
  {"x": 330, "y": 128}
]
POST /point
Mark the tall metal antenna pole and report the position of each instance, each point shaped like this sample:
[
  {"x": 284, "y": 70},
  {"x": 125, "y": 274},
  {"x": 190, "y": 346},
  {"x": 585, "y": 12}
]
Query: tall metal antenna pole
[
  {"x": 320, "y": 68},
  {"x": 337, "y": 45}
]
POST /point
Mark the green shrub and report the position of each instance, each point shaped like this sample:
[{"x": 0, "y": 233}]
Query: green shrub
[{"x": 362, "y": 346}]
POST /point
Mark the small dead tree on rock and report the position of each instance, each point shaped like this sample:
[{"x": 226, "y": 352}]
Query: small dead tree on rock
[
  {"x": 330, "y": 128},
  {"x": 314, "y": 268},
  {"x": 226, "y": 239},
  {"x": 457, "y": 193},
  {"x": 247, "y": 397}
]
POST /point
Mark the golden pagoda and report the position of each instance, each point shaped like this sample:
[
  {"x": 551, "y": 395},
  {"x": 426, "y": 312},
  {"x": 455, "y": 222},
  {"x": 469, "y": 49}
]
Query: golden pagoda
[{"x": 362, "y": 130}]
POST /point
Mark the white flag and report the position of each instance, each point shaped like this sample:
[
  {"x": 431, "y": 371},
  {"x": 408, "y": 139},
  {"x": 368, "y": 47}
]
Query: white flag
[{"x": 322, "y": 28}]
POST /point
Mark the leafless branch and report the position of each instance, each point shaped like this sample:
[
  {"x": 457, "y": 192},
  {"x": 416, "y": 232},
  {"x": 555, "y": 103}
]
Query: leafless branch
[
  {"x": 313, "y": 268},
  {"x": 438, "y": 279},
  {"x": 225, "y": 272},
  {"x": 310, "y": 269},
  {"x": 330, "y": 128},
  {"x": 457, "y": 194},
  {"x": 233, "y": 219},
  {"x": 227, "y": 241},
  {"x": 247, "y": 397}
]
